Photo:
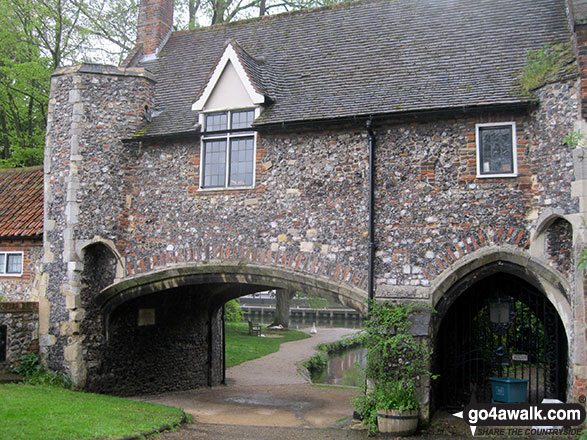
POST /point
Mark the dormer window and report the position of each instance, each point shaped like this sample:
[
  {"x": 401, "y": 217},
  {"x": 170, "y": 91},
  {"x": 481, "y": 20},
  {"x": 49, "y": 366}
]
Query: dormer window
[
  {"x": 227, "y": 107},
  {"x": 228, "y": 150}
]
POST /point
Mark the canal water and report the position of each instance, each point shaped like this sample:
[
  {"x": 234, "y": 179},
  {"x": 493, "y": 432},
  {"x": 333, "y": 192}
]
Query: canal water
[{"x": 344, "y": 369}]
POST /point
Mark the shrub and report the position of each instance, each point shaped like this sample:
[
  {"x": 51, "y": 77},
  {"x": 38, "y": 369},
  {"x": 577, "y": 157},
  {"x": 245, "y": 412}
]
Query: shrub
[
  {"x": 316, "y": 363},
  {"x": 233, "y": 311},
  {"x": 35, "y": 373},
  {"x": 396, "y": 361}
]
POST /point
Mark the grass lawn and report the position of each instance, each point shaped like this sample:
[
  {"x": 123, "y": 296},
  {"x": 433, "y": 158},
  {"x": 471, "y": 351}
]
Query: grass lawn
[
  {"x": 43, "y": 412},
  {"x": 242, "y": 347}
]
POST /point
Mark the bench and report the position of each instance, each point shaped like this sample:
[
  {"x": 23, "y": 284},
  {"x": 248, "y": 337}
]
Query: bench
[{"x": 254, "y": 329}]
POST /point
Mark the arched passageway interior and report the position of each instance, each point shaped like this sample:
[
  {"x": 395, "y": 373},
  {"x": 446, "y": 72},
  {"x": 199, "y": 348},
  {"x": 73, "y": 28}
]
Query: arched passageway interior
[{"x": 499, "y": 326}]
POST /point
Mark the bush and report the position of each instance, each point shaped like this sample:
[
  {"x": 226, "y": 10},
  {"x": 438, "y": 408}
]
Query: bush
[
  {"x": 35, "y": 373},
  {"x": 233, "y": 311},
  {"x": 316, "y": 363},
  {"x": 339, "y": 346}
]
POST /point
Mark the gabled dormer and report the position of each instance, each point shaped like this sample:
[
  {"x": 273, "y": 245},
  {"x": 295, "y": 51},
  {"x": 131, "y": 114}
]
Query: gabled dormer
[{"x": 227, "y": 105}]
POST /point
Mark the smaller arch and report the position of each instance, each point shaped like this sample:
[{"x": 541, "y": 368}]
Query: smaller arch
[
  {"x": 547, "y": 280},
  {"x": 547, "y": 218},
  {"x": 84, "y": 245}
]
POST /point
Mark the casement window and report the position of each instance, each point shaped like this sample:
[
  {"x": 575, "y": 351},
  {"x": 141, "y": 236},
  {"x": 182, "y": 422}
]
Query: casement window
[
  {"x": 10, "y": 264},
  {"x": 496, "y": 150},
  {"x": 228, "y": 150}
]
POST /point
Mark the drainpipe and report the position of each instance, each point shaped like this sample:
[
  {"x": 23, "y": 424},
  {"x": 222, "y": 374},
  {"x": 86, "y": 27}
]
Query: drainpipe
[
  {"x": 224, "y": 344},
  {"x": 370, "y": 277}
]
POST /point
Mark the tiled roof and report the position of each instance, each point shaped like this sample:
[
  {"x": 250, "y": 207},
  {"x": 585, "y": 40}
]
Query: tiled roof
[
  {"x": 363, "y": 58},
  {"x": 21, "y": 202}
]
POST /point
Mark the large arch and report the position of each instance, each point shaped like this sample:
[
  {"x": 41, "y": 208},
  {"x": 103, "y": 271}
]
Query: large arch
[
  {"x": 464, "y": 293},
  {"x": 162, "y": 329},
  {"x": 232, "y": 279}
]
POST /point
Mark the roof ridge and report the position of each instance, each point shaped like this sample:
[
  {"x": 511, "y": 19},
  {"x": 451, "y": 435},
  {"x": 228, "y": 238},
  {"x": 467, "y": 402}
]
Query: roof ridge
[
  {"x": 345, "y": 4},
  {"x": 21, "y": 169}
]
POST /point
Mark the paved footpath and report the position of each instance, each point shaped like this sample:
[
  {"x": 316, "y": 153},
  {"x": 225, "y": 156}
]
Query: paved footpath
[{"x": 269, "y": 392}]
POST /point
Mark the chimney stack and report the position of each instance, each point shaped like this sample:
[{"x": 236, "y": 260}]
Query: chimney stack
[{"x": 155, "y": 24}]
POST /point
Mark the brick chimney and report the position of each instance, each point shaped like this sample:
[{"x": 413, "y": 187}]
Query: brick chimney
[{"x": 155, "y": 24}]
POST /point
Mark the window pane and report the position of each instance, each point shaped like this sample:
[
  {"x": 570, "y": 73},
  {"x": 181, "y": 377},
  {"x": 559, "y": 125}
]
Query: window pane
[
  {"x": 217, "y": 121},
  {"x": 14, "y": 263},
  {"x": 496, "y": 150},
  {"x": 214, "y": 163},
  {"x": 241, "y": 161},
  {"x": 243, "y": 119},
  {"x": 2, "y": 263}
]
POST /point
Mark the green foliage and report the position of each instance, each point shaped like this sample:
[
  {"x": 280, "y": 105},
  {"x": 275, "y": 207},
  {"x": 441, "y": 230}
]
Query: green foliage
[
  {"x": 24, "y": 87},
  {"x": 233, "y": 311},
  {"x": 340, "y": 345},
  {"x": 396, "y": 361},
  {"x": 583, "y": 261},
  {"x": 546, "y": 65},
  {"x": 393, "y": 354},
  {"x": 393, "y": 395},
  {"x": 35, "y": 373},
  {"x": 573, "y": 139},
  {"x": 316, "y": 363},
  {"x": 396, "y": 395},
  {"x": 30, "y": 365},
  {"x": 52, "y": 413},
  {"x": 366, "y": 405}
]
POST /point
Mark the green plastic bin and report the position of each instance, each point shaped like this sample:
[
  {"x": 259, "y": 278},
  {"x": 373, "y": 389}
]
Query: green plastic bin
[{"x": 508, "y": 389}]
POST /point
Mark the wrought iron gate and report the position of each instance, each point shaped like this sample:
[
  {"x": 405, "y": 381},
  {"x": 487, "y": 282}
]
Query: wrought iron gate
[{"x": 500, "y": 327}]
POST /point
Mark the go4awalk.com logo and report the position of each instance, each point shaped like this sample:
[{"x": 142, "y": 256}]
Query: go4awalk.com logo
[{"x": 521, "y": 419}]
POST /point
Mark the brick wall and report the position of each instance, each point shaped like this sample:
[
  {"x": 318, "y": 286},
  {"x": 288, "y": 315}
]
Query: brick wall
[
  {"x": 155, "y": 22},
  {"x": 19, "y": 288}
]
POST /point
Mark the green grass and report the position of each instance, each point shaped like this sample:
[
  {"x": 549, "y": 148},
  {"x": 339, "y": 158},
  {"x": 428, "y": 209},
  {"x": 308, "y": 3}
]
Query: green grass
[
  {"x": 51, "y": 413},
  {"x": 242, "y": 347}
]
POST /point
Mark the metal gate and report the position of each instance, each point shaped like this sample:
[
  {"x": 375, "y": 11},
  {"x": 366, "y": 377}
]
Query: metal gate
[{"x": 500, "y": 327}]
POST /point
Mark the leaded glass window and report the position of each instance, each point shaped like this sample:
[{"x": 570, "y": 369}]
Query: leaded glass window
[
  {"x": 216, "y": 121},
  {"x": 496, "y": 149},
  {"x": 241, "y": 161},
  {"x": 229, "y": 157},
  {"x": 214, "y": 163}
]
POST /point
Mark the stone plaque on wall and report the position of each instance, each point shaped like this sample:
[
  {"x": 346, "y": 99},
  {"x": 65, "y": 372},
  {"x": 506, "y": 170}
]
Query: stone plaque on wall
[{"x": 146, "y": 317}]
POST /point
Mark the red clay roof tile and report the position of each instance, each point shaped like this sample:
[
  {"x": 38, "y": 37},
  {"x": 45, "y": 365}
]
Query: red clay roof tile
[{"x": 21, "y": 202}]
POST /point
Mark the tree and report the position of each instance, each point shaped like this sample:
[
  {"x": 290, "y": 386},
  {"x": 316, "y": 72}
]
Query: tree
[
  {"x": 24, "y": 87},
  {"x": 37, "y": 36},
  {"x": 283, "y": 299},
  {"x": 224, "y": 11}
]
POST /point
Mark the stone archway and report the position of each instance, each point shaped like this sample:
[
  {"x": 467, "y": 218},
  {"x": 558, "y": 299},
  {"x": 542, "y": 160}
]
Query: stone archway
[
  {"x": 163, "y": 330},
  {"x": 534, "y": 345}
]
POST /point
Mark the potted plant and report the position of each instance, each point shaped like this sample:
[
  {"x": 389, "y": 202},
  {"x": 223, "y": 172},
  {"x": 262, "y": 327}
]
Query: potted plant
[{"x": 396, "y": 362}]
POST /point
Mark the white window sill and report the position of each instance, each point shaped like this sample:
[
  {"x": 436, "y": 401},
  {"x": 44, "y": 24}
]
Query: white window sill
[
  {"x": 495, "y": 176},
  {"x": 224, "y": 188}
]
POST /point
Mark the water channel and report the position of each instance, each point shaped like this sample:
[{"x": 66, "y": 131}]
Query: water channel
[{"x": 344, "y": 368}]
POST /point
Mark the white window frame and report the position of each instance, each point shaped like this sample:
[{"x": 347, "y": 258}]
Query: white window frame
[
  {"x": 227, "y": 136},
  {"x": 6, "y": 253},
  {"x": 514, "y": 173}
]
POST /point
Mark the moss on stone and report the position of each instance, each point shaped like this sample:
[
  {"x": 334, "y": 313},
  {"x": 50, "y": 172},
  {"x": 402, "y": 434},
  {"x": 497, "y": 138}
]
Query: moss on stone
[{"x": 549, "y": 64}]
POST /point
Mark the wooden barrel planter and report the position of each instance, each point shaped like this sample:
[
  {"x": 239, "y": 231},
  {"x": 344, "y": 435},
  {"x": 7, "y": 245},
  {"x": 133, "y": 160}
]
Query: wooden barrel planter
[{"x": 395, "y": 422}]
